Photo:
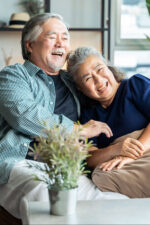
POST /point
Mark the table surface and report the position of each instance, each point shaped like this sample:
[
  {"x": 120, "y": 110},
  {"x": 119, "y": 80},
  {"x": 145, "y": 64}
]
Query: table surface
[{"x": 123, "y": 211}]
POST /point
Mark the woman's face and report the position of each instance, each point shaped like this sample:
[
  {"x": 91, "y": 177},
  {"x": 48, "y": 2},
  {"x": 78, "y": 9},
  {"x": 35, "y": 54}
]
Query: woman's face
[{"x": 96, "y": 81}]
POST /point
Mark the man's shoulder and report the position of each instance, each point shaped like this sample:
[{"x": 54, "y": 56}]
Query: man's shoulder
[
  {"x": 16, "y": 69},
  {"x": 12, "y": 67}
]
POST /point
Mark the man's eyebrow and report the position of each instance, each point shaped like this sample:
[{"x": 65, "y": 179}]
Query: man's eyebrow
[
  {"x": 66, "y": 33},
  {"x": 52, "y": 32}
]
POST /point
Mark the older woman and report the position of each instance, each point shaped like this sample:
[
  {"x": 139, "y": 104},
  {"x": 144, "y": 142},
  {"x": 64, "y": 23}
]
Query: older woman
[{"x": 124, "y": 104}]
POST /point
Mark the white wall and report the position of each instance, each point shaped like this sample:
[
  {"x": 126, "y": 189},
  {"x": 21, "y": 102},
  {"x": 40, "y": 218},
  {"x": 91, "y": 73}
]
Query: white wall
[
  {"x": 10, "y": 47},
  {"x": 8, "y": 7},
  {"x": 9, "y": 40}
]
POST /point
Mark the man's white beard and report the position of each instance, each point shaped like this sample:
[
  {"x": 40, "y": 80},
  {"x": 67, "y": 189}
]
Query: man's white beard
[{"x": 55, "y": 68}]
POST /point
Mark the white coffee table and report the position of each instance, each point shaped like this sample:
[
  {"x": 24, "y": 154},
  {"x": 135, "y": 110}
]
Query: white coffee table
[{"x": 125, "y": 211}]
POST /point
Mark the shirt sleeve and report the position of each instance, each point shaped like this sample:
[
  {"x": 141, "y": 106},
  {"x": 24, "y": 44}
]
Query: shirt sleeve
[
  {"x": 140, "y": 92},
  {"x": 18, "y": 106}
]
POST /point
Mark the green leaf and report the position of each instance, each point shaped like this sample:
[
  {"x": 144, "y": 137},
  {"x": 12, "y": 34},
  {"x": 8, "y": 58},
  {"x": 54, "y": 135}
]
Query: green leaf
[{"x": 148, "y": 5}]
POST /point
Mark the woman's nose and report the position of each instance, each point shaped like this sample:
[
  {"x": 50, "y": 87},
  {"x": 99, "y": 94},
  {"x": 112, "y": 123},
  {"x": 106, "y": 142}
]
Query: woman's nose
[
  {"x": 96, "y": 76},
  {"x": 98, "y": 80}
]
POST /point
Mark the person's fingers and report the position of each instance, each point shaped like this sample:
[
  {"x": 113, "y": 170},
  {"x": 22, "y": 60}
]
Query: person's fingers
[
  {"x": 136, "y": 148},
  {"x": 138, "y": 144},
  {"x": 108, "y": 166},
  {"x": 109, "y": 131},
  {"x": 113, "y": 164},
  {"x": 104, "y": 165},
  {"x": 130, "y": 155},
  {"x": 123, "y": 162},
  {"x": 106, "y": 132},
  {"x": 134, "y": 151}
]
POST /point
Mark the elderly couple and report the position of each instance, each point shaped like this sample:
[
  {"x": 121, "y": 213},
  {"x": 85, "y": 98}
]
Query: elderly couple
[{"x": 117, "y": 111}]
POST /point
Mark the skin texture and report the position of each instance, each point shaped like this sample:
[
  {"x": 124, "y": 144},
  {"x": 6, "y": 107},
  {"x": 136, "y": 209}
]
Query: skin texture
[{"x": 96, "y": 81}]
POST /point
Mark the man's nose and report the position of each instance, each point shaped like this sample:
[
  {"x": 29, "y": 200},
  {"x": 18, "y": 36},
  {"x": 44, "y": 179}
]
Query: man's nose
[{"x": 59, "y": 42}]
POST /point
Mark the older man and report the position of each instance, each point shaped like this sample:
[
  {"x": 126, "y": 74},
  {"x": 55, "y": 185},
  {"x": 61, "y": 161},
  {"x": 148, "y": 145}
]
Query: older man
[{"x": 29, "y": 94}]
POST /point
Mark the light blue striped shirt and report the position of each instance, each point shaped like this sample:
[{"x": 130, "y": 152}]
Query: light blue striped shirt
[{"x": 27, "y": 98}]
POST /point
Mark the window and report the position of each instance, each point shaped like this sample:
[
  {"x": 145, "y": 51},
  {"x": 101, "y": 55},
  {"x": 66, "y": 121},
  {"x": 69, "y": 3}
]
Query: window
[{"x": 131, "y": 23}]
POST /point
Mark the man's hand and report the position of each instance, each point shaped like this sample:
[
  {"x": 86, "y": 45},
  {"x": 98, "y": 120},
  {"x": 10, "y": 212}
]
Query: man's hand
[
  {"x": 130, "y": 147},
  {"x": 94, "y": 128},
  {"x": 118, "y": 162}
]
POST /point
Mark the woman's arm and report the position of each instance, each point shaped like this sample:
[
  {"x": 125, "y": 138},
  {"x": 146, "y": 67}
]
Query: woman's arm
[
  {"x": 129, "y": 147},
  {"x": 145, "y": 138}
]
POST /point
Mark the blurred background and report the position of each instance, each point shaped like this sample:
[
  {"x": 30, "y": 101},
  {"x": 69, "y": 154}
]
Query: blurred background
[{"x": 117, "y": 28}]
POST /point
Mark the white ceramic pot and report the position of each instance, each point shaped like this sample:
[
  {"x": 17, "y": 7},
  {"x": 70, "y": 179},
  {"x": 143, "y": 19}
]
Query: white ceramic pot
[{"x": 63, "y": 203}]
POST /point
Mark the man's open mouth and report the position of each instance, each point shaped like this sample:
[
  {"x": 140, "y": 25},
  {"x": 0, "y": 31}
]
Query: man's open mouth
[{"x": 58, "y": 52}]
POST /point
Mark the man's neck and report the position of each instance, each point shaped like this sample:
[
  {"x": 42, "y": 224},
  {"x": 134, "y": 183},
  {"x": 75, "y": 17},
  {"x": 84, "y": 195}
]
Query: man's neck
[{"x": 52, "y": 73}]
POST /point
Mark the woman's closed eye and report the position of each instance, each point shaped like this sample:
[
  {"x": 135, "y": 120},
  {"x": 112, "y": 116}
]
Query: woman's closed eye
[
  {"x": 99, "y": 69},
  {"x": 87, "y": 79}
]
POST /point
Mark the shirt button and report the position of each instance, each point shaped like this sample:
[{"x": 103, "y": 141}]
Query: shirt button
[
  {"x": 25, "y": 144},
  {"x": 51, "y": 103},
  {"x": 50, "y": 82}
]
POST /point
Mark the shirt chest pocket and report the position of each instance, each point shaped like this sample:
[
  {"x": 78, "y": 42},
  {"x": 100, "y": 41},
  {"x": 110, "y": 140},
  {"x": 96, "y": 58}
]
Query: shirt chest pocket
[{"x": 43, "y": 93}]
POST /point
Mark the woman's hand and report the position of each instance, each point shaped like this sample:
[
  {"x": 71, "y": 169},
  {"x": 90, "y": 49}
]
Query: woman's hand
[
  {"x": 118, "y": 162},
  {"x": 130, "y": 147},
  {"x": 94, "y": 128}
]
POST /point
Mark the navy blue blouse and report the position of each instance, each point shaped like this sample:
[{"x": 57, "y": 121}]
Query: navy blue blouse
[{"x": 129, "y": 111}]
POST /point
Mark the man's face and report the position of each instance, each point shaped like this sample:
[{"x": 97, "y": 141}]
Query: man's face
[{"x": 50, "y": 49}]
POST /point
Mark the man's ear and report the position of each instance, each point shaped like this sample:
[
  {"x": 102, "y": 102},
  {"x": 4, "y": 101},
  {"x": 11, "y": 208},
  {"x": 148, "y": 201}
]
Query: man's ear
[{"x": 28, "y": 46}]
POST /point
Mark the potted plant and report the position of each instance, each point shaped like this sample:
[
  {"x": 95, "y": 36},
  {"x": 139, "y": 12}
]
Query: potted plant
[
  {"x": 63, "y": 155},
  {"x": 33, "y": 6}
]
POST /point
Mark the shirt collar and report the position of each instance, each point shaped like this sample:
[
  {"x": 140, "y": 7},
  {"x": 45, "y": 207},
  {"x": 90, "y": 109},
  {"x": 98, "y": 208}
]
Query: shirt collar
[{"x": 32, "y": 68}]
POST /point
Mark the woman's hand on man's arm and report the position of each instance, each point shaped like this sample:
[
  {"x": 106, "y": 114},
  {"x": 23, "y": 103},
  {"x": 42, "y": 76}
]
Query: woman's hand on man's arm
[{"x": 94, "y": 128}]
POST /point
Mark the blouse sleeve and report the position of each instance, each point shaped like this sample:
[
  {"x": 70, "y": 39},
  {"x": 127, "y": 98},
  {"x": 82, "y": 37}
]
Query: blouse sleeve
[{"x": 140, "y": 92}]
